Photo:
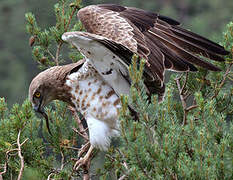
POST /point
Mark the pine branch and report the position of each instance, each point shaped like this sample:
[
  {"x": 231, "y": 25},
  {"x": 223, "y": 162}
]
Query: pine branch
[
  {"x": 58, "y": 53},
  {"x": 76, "y": 7},
  {"x": 81, "y": 133},
  {"x": 183, "y": 97},
  {"x": 84, "y": 134},
  {"x": 62, "y": 160},
  {"x": 6, "y": 162},
  {"x": 19, "y": 152},
  {"x": 124, "y": 164},
  {"x": 228, "y": 70},
  {"x": 140, "y": 165},
  {"x": 20, "y": 155}
]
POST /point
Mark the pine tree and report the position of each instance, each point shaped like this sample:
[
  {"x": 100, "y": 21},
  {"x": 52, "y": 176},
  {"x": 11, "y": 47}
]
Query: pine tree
[{"x": 27, "y": 151}]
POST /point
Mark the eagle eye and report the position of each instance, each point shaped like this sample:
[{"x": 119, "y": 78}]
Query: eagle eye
[{"x": 37, "y": 94}]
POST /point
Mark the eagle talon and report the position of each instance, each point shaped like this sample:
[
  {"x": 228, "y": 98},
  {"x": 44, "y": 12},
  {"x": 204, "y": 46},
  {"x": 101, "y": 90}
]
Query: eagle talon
[
  {"x": 83, "y": 149},
  {"x": 83, "y": 161},
  {"x": 80, "y": 163}
]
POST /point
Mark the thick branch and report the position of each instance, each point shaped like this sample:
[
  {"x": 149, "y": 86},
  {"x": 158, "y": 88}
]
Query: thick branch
[
  {"x": 81, "y": 134},
  {"x": 6, "y": 163},
  {"x": 183, "y": 101},
  {"x": 123, "y": 177},
  {"x": 191, "y": 107},
  {"x": 50, "y": 175},
  {"x": 62, "y": 160}
]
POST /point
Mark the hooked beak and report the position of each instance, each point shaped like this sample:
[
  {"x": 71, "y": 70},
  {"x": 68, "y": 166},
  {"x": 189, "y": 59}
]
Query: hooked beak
[{"x": 40, "y": 110}]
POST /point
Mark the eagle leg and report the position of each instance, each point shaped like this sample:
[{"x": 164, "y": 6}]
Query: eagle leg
[
  {"x": 84, "y": 160},
  {"x": 83, "y": 149}
]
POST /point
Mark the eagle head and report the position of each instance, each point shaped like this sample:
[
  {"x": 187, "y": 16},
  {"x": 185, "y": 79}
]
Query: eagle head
[
  {"x": 50, "y": 85},
  {"x": 43, "y": 89}
]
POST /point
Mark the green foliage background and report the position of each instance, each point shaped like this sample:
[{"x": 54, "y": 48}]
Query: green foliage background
[{"x": 156, "y": 147}]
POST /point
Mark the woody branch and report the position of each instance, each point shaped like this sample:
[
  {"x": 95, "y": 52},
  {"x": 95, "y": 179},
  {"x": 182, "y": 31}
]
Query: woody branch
[
  {"x": 8, "y": 153},
  {"x": 82, "y": 132},
  {"x": 184, "y": 94}
]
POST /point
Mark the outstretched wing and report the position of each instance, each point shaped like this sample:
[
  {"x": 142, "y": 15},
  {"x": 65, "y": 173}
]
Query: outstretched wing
[
  {"x": 158, "y": 39},
  {"x": 122, "y": 31}
]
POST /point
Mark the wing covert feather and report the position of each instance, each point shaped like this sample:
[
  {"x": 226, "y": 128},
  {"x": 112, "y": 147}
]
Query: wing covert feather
[{"x": 158, "y": 39}]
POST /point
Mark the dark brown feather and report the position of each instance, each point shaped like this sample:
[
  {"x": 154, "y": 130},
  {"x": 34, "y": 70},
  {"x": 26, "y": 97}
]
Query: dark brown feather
[
  {"x": 158, "y": 39},
  {"x": 156, "y": 59},
  {"x": 188, "y": 45},
  {"x": 121, "y": 51},
  {"x": 175, "y": 36},
  {"x": 172, "y": 60},
  {"x": 188, "y": 56},
  {"x": 199, "y": 40}
]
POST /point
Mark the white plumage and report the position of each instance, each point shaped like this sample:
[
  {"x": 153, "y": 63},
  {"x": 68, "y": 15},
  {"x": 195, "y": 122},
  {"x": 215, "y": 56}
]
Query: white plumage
[
  {"x": 98, "y": 103},
  {"x": 109, "y": 65}
]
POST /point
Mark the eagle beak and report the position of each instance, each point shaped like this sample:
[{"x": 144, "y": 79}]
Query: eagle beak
[
  {"x": 36, "y": 108},
  {"x": 40, "y": 110}
]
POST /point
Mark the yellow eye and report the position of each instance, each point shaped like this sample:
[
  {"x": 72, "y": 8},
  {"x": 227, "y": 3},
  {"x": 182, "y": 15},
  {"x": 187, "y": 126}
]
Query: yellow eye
[{"x": 37, "y": 94}]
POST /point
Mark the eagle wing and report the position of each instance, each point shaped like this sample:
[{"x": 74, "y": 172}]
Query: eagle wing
[{"x": 158, "y": 39}]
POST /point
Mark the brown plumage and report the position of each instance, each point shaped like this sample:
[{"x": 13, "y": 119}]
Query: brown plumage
[
  {"x": 158, "y": 39},
  {"x": 50, "y": 85}
]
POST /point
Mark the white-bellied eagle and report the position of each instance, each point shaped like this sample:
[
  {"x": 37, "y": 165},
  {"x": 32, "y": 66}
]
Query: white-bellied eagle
[{"x": 114, "y": 34}]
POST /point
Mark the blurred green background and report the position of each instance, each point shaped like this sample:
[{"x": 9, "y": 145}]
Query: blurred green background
[{"x": 17, "y": 68}]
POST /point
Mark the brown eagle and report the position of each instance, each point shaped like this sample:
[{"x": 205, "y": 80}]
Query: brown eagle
[{"x": 114, "y": 34}]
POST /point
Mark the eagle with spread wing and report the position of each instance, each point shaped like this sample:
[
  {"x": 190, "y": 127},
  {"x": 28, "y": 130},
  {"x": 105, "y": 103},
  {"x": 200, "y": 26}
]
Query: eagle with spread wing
[{"x": 114, "y": 34}]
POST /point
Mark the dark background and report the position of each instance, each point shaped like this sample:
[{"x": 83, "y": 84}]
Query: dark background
[{"x": 17, "y": 67}]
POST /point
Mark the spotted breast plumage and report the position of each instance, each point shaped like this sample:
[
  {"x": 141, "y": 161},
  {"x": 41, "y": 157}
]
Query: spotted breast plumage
[{"x": 98, "y": 103}]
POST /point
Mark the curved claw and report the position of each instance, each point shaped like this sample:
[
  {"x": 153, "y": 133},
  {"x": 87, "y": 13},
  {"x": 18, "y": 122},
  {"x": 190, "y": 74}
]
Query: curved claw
[
  {"x": 84, "y": 160},
  {"x": 79, "y": 163}
]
